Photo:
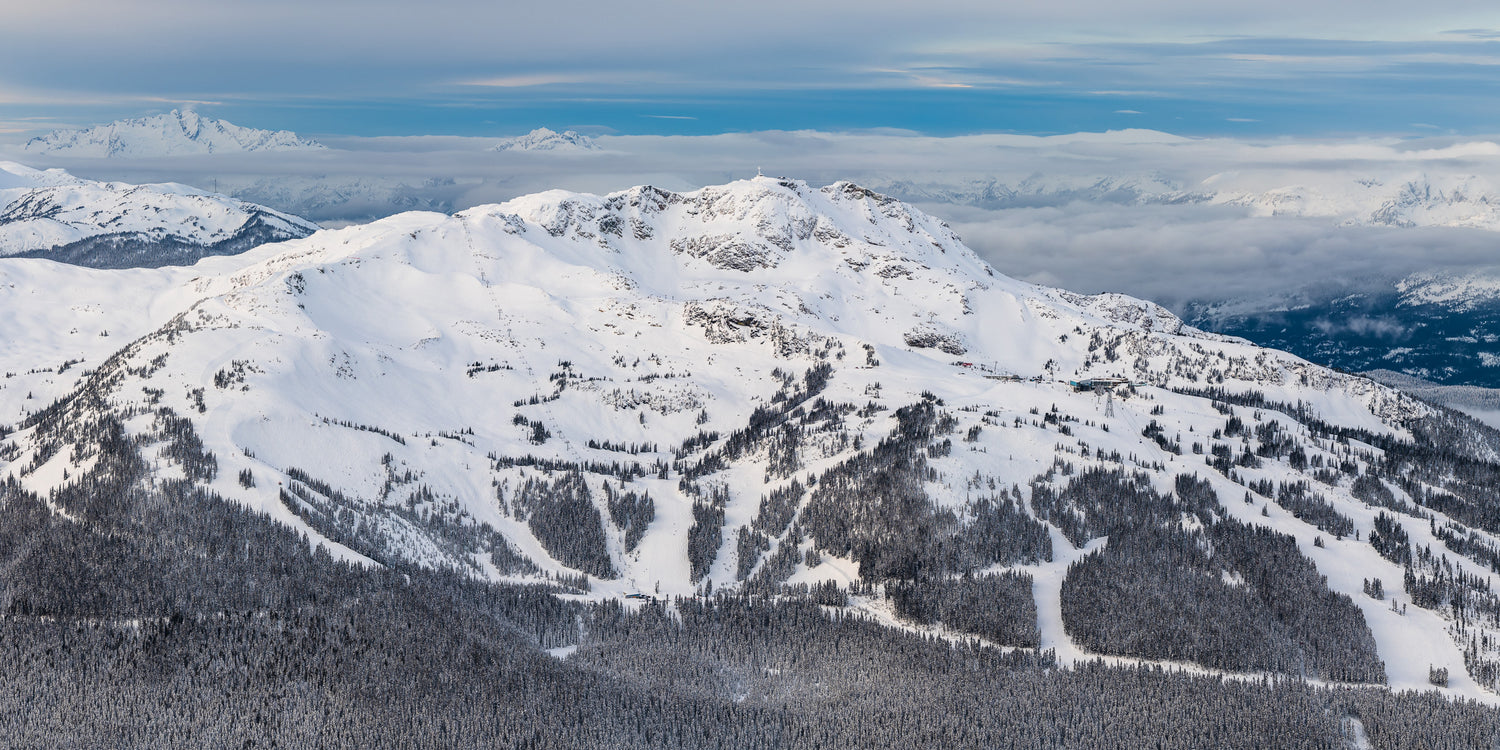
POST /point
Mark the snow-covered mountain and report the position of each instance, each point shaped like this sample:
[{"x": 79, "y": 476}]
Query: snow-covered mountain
[
  {"x": 760, "y": 386},
  {"x": 1397, "y": 199},
  {"x": 1458, "y": 292},
  {"x": 51, "y": 214},
  {"x": 1438, "y": 326},
  {"x": 544, "y": 139},
  {"x": 175, "y": 133}
]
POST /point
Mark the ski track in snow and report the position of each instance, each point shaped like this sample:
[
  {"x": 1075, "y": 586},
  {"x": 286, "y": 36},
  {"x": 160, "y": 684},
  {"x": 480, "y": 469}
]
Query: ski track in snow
[{"x": 1047, "y": 590}]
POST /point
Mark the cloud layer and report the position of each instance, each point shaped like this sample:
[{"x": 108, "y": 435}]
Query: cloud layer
[
  {"x": 1177, "y": 255},
  {"x": 1155, "y": 215}
]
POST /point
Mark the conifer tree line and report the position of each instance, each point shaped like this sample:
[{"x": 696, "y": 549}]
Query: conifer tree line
[
  {"x": 874, "y": 508},
  {"x": 1222, "y": 594},
  {"x": 1217, "y": 592},
  {"x": 1442, "y": 470},
  {"x": 560, "y": 511},
  {"x": 996, "y": 607},
  {"x": 630, "y": 511}
]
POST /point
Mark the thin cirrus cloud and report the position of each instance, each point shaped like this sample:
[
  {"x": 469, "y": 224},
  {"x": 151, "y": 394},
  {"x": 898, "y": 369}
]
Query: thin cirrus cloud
[
  {"x": 339, "y": 66},
  {"x": 527, "y": 80}
]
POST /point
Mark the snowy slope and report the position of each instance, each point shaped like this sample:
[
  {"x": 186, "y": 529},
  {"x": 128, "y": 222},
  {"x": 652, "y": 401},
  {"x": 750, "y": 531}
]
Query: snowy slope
[
  {"x": 175, "y": 133},
  {"x": 110, "y": 224},
  {"x": 400, "y": 381}
]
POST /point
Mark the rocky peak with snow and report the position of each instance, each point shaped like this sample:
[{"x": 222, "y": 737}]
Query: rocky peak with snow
[
  {"x": 544, "y": 139},
  {"x": 179, "y": 132}
]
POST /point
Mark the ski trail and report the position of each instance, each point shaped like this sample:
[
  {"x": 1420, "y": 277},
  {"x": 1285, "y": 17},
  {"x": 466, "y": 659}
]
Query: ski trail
[
  {"x": 1047, "y": 581},
  {"x": 613, "y": 540},
  {"x": 521, "y": 352}
]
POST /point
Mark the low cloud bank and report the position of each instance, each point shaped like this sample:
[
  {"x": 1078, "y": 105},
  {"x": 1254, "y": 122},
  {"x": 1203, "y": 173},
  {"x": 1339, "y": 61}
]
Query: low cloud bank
[
  {"x": 1180, "y": 254},
  {"x": 1150, "y": 214}
]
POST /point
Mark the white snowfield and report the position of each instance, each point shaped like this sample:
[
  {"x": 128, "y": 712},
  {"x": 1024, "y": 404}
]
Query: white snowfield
[
  {"x": 644, "y": 317},
  {"x": 45, "y": 209},
  {"x": 176, "y": 133}
]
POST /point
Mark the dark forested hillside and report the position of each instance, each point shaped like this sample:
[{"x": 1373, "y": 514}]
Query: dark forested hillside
[{"x": 165, "y": 616}]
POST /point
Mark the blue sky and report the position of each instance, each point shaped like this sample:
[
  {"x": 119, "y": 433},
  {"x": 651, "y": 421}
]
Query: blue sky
[
  {"x": 1292, "y": 92},
  {"x": 383, "y": 67}
]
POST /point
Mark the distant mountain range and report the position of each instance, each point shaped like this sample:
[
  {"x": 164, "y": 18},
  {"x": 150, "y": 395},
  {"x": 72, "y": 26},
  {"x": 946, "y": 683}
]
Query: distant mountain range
[
  {"x": 1453, "y": 186},
  {"x": 51, "y": 214},
  {"x": 1407, "y": 199},
  {"x": 1412, "y": 201},
  {"x": 1443, "y": 328},
  {"x": 543, "y": 139},
  {"x": 176, "y": 133}
]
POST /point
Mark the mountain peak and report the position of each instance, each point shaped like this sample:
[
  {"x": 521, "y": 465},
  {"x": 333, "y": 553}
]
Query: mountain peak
[
  {"x": 189, "y": 120},
  {"x": 174, "y": 133},
  {"x": 545, "y": 139},
  {"x": 777, "y": 228}
]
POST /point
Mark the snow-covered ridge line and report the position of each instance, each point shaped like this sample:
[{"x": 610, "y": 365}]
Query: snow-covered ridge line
[
  {"x": 111, "y": 224},
  {"x": 1457, "y": 292}
]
